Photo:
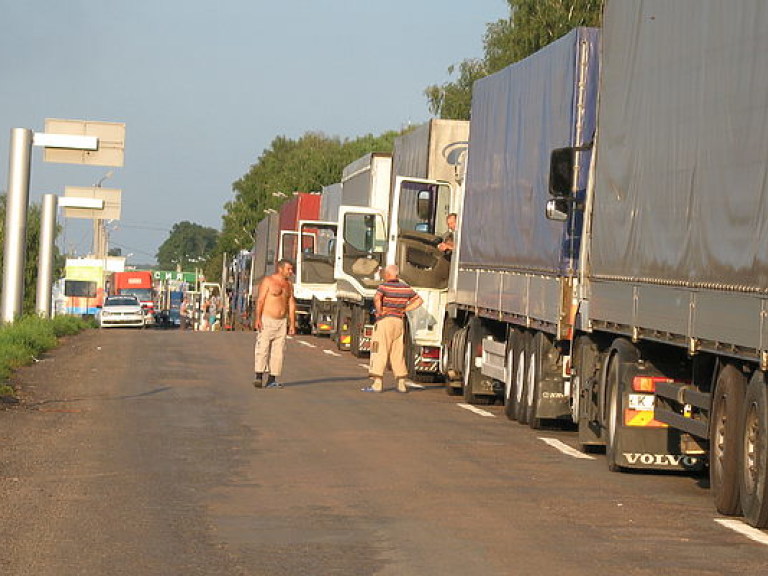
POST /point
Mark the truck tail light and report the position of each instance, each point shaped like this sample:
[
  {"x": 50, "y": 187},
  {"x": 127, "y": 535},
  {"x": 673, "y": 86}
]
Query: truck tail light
[
  {"x": 431, "y": 352},
  {"x": 648, "y": 383}
]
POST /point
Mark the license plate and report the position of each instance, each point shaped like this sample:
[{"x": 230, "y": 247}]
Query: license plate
[{"x": 641, "y": 401}]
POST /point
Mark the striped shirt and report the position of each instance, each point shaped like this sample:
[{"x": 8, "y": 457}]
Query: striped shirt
[{"x": 395, "y": 296}]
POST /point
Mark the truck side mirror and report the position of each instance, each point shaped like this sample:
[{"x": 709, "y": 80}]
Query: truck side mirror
[
  {"x": 557, "y": 210},
  {"x": 561, "y": 164}
]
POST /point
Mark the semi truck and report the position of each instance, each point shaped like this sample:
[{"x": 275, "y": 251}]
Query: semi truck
[
  {"x": 315, "y": 270},
  {"x": 140, "y": 284},
  {"x": 394, "y": 211},
  {"x": 648, "y": 325},
  {"x": 275, "y": 238}
]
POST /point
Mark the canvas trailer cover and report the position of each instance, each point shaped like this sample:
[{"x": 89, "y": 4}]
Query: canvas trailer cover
[
  {"x": 679, "y": 222},
  {"x": 510, "y": 254}
]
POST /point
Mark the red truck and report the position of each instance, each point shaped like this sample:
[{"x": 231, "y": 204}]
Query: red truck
[{"x": 138, "y": 283}]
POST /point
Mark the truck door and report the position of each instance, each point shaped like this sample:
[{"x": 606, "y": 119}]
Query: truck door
[
  {"x": 362, "y": 247},
  {"x": 314, "y": 263},
  {"x": 417, "y": 226}
]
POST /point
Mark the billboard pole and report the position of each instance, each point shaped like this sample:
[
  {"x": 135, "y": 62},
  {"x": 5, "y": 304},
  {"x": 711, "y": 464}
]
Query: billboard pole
[
  {"x": 45, "y": 259},
  {"x": 17, "y": 202}
]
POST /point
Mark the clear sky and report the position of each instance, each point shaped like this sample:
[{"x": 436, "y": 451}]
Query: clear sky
[{"x": 204, "y": 88}]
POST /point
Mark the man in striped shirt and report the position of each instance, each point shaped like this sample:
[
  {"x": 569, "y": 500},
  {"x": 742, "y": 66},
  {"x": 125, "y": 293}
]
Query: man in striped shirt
[{"x": 392, "y": 300}]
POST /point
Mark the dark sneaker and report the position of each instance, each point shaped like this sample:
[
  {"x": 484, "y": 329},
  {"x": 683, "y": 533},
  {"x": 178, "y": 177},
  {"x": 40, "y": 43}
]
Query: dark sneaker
[{"x": 258, "y": 381}]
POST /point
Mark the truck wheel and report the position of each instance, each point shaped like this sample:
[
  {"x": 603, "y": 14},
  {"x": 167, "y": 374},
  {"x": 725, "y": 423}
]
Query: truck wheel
[
  {"x": 342, "y": 327},
  {"x": 754, "y": 461},
  {"x": 453, "y": 361},
  {"x": 355, "y": 332},
  {"x": 725, "y": 439},
  {"x": 585, "y": 357},
  {"x": 471, "y": 372},
  {"x": 613, "y": 414},
  {"x": 521, "y": 377},
  {"x": 534, "y": 375},
  {"x": 510, "y": 389}
]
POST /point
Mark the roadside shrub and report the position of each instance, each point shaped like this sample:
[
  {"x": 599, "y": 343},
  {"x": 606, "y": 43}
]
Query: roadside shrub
[{"x": 28, "y": 337}]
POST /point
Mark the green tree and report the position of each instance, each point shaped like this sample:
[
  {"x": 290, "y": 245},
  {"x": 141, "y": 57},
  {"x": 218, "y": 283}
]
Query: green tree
[
  {"x": 288, "y": 166},
  {"x": 531, "y": 25},
  {"x": 187, "y": 244}
]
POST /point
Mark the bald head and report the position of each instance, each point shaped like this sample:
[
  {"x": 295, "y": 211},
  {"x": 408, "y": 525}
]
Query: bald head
[{"x": 391, "y": 272}]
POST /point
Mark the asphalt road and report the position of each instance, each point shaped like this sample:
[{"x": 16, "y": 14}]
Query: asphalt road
[{"x": 149, "y": 452}]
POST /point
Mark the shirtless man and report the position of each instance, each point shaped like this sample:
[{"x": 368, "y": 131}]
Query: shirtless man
[{"x": 275, "y": 317}]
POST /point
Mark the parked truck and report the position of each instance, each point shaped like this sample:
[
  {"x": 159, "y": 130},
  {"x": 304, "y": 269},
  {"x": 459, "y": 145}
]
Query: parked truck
[
  {"x": 315, "y": 281},
  {"x": 647, "y": 321},
  {"x": 394, "y": 211},
  {"x": 140, "y": 284}
]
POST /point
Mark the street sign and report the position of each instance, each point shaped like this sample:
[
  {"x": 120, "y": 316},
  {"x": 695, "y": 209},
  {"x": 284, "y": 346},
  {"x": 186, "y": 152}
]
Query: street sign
[
  {"x": 110, "y": 196},
  {"x": 111, "y": 142}
]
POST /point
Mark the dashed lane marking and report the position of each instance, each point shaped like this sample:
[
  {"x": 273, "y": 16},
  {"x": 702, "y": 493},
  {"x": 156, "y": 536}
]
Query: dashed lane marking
[
  {"x": 565, "y": 449},
  {"x": 476, "y": 410},
  {"x": 744, "y": 530},
  {"x": 305, "y": 343},
  {"x": 363, "y": 365},
  {"x": 331, "y": 353}
]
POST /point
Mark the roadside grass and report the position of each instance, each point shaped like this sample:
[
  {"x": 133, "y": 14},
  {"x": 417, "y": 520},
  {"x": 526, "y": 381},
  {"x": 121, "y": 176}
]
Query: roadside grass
[{"x": 24, "y": 340}]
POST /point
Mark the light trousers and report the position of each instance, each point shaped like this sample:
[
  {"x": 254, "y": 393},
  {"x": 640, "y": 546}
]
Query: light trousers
[
  {"x": 387, "y": 348},
  {"x": 270, "y": 345}
]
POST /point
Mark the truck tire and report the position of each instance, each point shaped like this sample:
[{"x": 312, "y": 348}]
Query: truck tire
[
  {"x": 586, "y": 357},
  {"x": 342, "y": 327},
  {"x": 471, "y": 373},
  {"x": 622, "y": 353},
  {"x": 510, "y": 388},
  {"x": 613, "y": 414},
  {"x": 589, "y": 383},
  {"x": 536, "y": 354},
  {"x": 754, "y": 461},
  {"x": 454, "y": 361},
  {"x": 521, "y": 377},
  {"x": 725, "y": 439},
  {"x": 355, "y": 331}
]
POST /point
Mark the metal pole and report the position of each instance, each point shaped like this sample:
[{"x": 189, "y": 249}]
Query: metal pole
[
  {"x": 224, "y": 299},
  {"x": 45, "y": 261},
  {"x": 16, "y": 206}
]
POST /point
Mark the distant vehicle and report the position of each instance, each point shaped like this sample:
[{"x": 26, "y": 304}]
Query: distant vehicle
[
  {"x": 140, "y": 284},
  {"x": 121, "y": 311}
]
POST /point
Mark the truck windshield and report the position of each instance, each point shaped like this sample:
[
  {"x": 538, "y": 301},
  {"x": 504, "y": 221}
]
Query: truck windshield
[{"x": 140, "y": 293}]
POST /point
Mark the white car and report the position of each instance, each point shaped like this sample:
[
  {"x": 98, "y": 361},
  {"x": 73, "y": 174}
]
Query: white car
[{"x": 124, "y": 310}]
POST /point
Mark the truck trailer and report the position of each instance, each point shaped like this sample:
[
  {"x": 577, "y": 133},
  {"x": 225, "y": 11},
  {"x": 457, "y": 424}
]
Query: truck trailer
[{"x": 654, "y": 334}]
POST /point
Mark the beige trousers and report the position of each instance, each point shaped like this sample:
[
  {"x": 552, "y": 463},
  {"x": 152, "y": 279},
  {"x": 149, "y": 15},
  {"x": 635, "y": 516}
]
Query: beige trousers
[
  {"x": 270, "y": 345},
  {"x": 387, "y": 348}
]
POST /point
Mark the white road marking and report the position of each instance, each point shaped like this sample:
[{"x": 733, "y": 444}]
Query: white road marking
[
  {"x": 744, "y": 530},
  {"x": 565, "y": 449},
  {"x": 476, "y": 410},
  {"x": 363, "y": 366},
  {"x": 418, "y": 387},
  {"x": 331, "y": 353},
  {"x": 305, "y": 343}
]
